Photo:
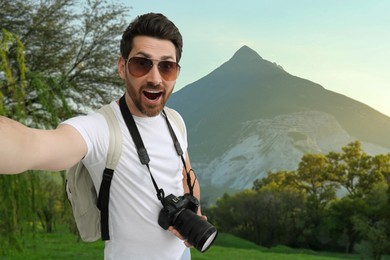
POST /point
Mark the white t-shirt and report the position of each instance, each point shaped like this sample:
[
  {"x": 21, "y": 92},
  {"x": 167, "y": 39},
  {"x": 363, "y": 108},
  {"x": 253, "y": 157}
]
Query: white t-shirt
[{"x": 133, "y": 206}]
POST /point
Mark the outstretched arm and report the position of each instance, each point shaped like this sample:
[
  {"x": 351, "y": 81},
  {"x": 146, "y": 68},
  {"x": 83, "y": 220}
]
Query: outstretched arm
[{"x": 23, "y": 148}]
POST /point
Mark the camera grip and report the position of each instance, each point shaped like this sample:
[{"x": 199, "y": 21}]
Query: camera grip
[{"x": 163, "y": 219}]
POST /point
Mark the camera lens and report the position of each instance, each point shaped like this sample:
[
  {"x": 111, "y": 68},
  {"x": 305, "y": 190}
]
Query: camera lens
[{"x": 198, "y": 232}]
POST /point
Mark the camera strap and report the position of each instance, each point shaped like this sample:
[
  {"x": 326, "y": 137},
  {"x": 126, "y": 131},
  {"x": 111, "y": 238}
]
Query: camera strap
[
  {"x": 180, "y": 153},
  {"x": 141, "y": 150}
]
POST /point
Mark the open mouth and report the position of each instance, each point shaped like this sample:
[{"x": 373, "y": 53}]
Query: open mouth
[{"x": 152, "y": 95}]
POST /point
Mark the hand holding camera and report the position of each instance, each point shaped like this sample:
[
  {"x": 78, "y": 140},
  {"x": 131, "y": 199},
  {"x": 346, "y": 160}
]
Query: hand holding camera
[{"x": 180, "y": 213}]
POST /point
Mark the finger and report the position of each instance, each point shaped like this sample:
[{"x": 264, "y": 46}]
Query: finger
[
  {"x": 188, "y": 244},
  {"x": 175, "y": 232}
]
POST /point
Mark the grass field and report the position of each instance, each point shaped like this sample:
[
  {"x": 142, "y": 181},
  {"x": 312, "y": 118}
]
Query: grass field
[
  {"x": 62, "y": 245},
  {"x": 229, "y": 247}
]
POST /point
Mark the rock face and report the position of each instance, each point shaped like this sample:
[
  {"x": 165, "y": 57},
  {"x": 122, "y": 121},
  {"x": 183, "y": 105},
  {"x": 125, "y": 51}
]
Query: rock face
[
  {"x": 249, "y": 116},
  {"x": 276, "y": 144}
]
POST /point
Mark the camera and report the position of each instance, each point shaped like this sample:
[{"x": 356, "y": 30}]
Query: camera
[{"x": 180, "y": 212}]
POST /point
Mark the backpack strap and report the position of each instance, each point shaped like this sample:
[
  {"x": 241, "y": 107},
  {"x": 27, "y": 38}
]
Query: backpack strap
[
  {"x": 175, "y": 118},
  {"x": 115, "y": 143},
  {"x": 113, "y": 155}
]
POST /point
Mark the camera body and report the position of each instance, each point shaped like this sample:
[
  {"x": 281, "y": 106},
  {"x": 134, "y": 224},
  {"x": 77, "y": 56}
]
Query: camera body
[
  {"x": 181, "y": 213},
  {"x": 173, "y": 206}
]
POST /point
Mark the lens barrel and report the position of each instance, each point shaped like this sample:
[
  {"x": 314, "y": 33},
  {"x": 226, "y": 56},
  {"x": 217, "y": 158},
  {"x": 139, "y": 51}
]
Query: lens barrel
[{"x": 198, "y": 232}]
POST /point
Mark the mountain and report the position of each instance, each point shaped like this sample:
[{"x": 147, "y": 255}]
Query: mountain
[{"x": 250, "y": 116}]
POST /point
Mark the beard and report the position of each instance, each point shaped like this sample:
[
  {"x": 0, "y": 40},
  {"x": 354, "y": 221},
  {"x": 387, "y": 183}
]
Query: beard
[{"x": 149, "y": 99}]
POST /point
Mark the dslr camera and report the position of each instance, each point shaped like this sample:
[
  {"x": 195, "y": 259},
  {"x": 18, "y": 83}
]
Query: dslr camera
[{"x": 180, "y": 212}]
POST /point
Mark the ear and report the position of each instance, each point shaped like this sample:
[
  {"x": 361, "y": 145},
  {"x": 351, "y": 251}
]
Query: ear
[{"x": 121, "y": 67}]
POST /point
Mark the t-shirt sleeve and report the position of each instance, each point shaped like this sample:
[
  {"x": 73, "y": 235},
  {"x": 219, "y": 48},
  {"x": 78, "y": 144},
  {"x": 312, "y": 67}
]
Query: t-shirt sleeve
[{"x": 94, "y": 130}]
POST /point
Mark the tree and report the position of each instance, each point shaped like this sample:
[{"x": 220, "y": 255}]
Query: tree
[
  {"x": 279, "y": 181},
  {"x": 356, "y": 173},
  {"x": 76, "y": 45},
  {"x": 360, "y": 175},
  {"x": 300, "y": 208},
  {"x": 50, "y": 204},
  {"x": 314, "y": 177},
  {"x": 372, "y": 226},
  {"x": 55, "y": 58},
  {"x": 339, "y": 223},
  {"x": 13, "y": 205},
  {"x": 267, "y": 217}
]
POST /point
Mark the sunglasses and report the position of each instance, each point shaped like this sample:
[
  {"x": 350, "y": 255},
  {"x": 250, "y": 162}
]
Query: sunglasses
[{"x": 140, "y": 66}]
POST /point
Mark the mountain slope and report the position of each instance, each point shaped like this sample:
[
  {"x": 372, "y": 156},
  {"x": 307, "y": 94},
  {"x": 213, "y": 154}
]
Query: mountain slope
[{"x": 248, "y": 92}]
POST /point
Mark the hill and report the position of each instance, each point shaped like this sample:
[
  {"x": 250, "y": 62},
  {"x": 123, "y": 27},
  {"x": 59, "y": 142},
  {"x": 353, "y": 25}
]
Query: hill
[{"x": 249, "y": 116}]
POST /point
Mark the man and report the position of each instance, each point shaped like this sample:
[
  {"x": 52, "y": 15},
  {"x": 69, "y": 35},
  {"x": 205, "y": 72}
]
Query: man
[{"x": 150, "y": 48}]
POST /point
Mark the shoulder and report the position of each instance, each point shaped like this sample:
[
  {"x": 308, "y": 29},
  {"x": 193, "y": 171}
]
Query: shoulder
[
  {"x": 174, "y": 116},
  {"x": 93, "y": 128},
  {"x": 88, "y": 123},
  {"x": 171, "y": 111},
  {"x": 176, "y": 120}
]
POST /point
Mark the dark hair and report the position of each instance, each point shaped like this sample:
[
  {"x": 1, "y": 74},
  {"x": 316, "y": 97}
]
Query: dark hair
[{"x": 153, "y": 25}]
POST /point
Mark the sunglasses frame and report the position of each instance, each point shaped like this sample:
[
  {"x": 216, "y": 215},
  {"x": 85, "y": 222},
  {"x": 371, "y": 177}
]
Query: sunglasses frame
[{"x": 169, "y": 75}]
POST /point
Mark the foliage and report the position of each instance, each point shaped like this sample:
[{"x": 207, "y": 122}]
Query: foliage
[
  {"x": 77, "y": 44},
  {"x": 262, "y": 217},
  {"x": 55, "y": 58},
  {"x": 337, "y": 202},
  {"x": 372, "y": 225}
]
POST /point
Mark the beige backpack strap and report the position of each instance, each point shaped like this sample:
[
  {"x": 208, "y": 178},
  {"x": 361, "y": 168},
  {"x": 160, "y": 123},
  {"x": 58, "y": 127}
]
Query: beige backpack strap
[
  {"x": 113, "y": 155},
  {"x": 115, "y": 142},
  {"x": 174, "y": 117},
  {"x": 81, "y": 190}
]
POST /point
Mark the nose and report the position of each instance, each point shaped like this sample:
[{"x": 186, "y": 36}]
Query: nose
[{"x": 154, "y": 76}]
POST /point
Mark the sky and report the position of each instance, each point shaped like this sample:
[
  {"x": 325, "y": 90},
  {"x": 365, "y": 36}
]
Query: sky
[{"x": 343, "y": 45}]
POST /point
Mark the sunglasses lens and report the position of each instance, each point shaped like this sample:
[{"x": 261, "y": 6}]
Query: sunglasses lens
[
  {"x": 139, "y": 66},
  {"x": 168, "y": 69}
]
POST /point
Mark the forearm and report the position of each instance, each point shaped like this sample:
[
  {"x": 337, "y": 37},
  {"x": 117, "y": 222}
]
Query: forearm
[
  {"x": 195, "y": 185},
  {"x": 14, "y": 138},
  {"x": 189, "y": 179},
  {"x": 23, "y": 148},
  {"x": 196, "y": 191}
]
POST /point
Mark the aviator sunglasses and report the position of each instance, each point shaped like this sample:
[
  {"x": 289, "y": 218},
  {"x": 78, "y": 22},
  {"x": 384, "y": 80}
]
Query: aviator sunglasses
[{"x": 140, "y": 66}]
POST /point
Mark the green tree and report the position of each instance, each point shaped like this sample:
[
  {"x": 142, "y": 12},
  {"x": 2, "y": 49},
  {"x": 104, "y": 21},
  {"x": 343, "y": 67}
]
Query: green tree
[
  {"x": 372, "y": 226},
  {"x": 267, "y": 217},
  {"x": 51, "y": 51},
  {"x": 241, "y": 215},
  {"x": 15, "y": 205},
  {"x": 314, "y": 177},
  {"x": 76, "y": 44},
  {"x": 300, "y": 208},
  {"x": 279, "y": 181},
  {"x": 284, "y": 185},
  {"x": 18, "y": 197},
  {"x": 360, "y": 175},
  {"x": 356, "y": 173},
  {"x": 50, "y": 205},
  {"x": 340, "y": 225}
]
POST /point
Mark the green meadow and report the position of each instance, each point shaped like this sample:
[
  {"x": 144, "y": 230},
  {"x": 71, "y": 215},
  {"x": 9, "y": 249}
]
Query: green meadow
[{"x": 63, "y": 245}]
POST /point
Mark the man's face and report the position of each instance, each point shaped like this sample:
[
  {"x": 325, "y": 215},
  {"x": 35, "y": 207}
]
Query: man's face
[{"x": 147, "y": 94}]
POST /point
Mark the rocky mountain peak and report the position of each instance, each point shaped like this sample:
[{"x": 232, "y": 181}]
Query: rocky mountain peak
[
  {"x": 249, "y": 116},
  {"x": 245, "y": 54}
]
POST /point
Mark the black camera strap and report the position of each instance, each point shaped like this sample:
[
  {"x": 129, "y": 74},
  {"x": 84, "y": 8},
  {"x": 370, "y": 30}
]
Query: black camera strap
[
  {"x": 141, "y": 150},
  {"x": 180, "y": 153}
]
